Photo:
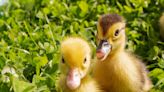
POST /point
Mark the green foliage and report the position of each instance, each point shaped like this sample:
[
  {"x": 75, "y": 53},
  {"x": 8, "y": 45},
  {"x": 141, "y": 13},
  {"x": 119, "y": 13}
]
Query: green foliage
[{"x": 31, "y": 32}]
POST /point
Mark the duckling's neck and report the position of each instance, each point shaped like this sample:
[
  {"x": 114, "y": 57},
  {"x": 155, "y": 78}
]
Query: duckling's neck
[
  {"x": 85, "y": 78},
  {"x": 116, "y": 52}
]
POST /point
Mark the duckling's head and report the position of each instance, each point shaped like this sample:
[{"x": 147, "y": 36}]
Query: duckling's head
[
  {"x": 110, "y": 35},
  {"x": 75, "y": 61}
]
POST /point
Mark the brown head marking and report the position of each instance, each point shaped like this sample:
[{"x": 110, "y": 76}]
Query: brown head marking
[{"x": 107, "y": 20}]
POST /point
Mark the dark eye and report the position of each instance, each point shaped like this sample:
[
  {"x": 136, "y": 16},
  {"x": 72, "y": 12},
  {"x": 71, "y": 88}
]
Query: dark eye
[
  {"x": 85, "y": 60},
  {"x": 63, "y": 61},
  {"x": 117, "y": 32}
]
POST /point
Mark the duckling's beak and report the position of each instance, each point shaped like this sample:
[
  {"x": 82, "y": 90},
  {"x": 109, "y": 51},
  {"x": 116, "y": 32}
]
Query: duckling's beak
[
  {"x": 103, "y": 49},
  {"x": 73, "y": 79}
]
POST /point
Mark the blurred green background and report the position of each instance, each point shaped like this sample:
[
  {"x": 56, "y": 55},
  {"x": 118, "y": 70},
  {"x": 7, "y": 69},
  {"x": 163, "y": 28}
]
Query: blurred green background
[{"x": 31, "y": 32}]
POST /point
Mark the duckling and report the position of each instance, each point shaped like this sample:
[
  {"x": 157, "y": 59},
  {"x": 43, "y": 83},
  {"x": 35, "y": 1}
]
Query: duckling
[
  {"x": 74, "y": 67},
  {"x": 117, "y": 70},
  {"x": 161, "y": 23}
]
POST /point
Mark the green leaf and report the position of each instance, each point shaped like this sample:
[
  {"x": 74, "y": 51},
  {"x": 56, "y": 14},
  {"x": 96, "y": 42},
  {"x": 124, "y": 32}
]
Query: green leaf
[
  {"x": 40, "y": 15},
  {"x": 119, "y": 5},
  {"x": 4, "y": 87},
  {"x": 1, "y": 22},
  {"x": 22, "y": 86},
  {"x": 41, "y": 60},
  {"x": 46, "y": 10},
  {"x": 2, "y": 62},
  {"x": 161, "y": 63},
  {"x": 28, "y": 4},
  {"x": 128, "y": 9},
  {"x": 84, "y": 7},
  {"x": 157, "y": 73}
]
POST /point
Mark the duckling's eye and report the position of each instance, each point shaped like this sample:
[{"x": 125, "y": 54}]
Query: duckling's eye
[
  {"x": 63, "y": 61},
  {"x": 85, "y": 60},
  {"x": 116, "y": 32}
]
